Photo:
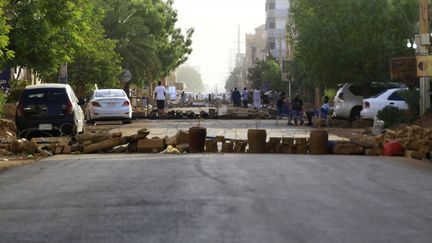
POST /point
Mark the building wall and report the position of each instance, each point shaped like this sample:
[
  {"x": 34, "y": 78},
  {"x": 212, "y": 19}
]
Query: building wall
[
  {"x": 276, "y": 18},
  {"x": 255, "y": 49}
]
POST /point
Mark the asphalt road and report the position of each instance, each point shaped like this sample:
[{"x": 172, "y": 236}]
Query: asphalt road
[{"x": 216, "y": 198}]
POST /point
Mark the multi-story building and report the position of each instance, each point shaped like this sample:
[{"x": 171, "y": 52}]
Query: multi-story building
[
  {"x": 255, "y": 46},
  {"x": 276, "y": 19}
]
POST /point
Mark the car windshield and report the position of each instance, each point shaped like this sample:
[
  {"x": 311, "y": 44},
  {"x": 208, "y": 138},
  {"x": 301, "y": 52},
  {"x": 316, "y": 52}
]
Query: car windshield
[{"x": 110, "y": 93}]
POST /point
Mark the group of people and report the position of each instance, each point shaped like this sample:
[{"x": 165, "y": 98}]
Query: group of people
[
  {"x": 242, "y": 99},
  {"x": 293, "y": 109}
]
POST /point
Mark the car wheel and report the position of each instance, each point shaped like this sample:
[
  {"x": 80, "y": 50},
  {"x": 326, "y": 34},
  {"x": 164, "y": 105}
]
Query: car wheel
[{"x": 355, "y": 113}]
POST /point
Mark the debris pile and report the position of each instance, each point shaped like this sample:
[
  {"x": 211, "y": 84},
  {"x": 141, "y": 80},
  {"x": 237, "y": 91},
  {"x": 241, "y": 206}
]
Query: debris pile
[{"x": 415, "y": 142}]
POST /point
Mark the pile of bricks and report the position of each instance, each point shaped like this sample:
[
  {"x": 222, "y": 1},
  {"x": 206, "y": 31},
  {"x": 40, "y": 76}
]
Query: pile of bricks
[{"x": 415, "y": 140}]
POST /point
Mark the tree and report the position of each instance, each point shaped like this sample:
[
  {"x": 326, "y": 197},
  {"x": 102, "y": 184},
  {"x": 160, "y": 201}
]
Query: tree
[
  {"x": 147, "y": 40},
  {"x": 191, "y": 78},
  {"x": 266, "y": 72},
  {"x": 96, "y": 61},
  {"x": 233, "y": 80},
  {"x": 336, "y": 41},
  {"x": 5, "y": 53},
  {"x": 44, "y": 33}
]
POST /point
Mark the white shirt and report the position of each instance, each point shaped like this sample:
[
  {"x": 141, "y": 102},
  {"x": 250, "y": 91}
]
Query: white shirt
[{"x": 160, "y": 92}]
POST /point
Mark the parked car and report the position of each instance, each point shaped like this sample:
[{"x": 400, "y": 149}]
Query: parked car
[
  {"x": 348, "y": 101},
  {"x": 109, "y": 104},
  {"x": 390, "y": 97},
  {"x": 49, "y": 109}
]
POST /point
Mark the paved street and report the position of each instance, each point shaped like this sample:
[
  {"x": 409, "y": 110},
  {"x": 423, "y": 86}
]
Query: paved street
[{"x": 216, "y": 198}]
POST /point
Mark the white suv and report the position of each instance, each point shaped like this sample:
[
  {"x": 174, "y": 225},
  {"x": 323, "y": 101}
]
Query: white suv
[{"x": 348, "y": 101}]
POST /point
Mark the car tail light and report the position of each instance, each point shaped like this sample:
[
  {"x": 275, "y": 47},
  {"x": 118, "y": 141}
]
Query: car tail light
[
  {"x": 95, "y": 104},
  {"x": 68, "y": 108},
  {"x": 20, "y": 110},
  {"x": 366, "y": 104},
  {"x": 126, "y": 103}
]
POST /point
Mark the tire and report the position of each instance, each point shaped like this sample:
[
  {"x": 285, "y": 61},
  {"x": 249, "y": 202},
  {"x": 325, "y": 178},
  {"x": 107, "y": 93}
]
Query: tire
[{"x": 355, "y": 113}]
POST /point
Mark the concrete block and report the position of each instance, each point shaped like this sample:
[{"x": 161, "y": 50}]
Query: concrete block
[{"x": 154, "y": 145}]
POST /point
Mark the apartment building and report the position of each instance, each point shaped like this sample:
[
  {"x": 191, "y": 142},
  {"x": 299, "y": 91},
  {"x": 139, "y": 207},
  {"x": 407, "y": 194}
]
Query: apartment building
[
  {"x": 255, "y": 46},
  {"x": 276, "y": 18}
]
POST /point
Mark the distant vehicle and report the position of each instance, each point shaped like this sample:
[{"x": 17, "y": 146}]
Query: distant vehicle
[
  {"x": 348, "y": 101},
  {"x": 49, "y": 109},
  {"x": 108, "y": 104},
  {"x": 390, "y": 97}
]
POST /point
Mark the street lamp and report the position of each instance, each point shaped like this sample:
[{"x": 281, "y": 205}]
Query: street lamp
[{"x": 411, "y": 44}]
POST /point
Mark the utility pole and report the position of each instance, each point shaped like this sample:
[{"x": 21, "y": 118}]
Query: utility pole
[{"x": 423, "y": 51}]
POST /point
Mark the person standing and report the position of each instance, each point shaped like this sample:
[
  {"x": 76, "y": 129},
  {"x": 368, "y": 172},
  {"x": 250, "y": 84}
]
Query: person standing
[
  {"x": 325, "y": 110},
  {"x": 236, "y": 97},
  {"x": 245, "y": 97},
  {"x": 183, "y": 98},
  {"x": 257, "y": 98},
  {"x": 160, "y": 94},
  {"x": 297, "y": 109}
]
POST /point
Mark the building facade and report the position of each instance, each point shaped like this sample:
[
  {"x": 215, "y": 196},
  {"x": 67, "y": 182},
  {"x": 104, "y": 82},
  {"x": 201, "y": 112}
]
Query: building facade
[
  {"x": 255, "y": 46},
  {"x": 276, "y": 19}
]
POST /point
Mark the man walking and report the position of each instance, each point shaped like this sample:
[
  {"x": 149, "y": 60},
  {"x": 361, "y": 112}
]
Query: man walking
[
  {"x": 159, "y": 95},
  {"x": 236, "y": 97},
  {"x": 245, "y": 97}
]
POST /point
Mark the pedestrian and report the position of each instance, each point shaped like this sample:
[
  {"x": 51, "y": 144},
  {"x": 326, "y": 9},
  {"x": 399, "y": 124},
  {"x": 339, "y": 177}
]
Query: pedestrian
[
  {"x": 297, "y": 109},
  {"x": 325, "y": 110},
  {"x": 257, "y": 98},
  {"x": 236, "y": 97},
  {"x": 245, "y": 97},
  {"x": 281, "y": 106},
  {"x": 183, "y": 98},
  {"x": 160, "y": 94}
]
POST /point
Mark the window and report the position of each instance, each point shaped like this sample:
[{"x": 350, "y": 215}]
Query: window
[
  {"x": 272, "y": 45},
  {"x": 396, "y": 97},
  {"x": 272, "y": 5},
  {"x": 272, "y": 25},
  {"x": 110, "y": 93}
]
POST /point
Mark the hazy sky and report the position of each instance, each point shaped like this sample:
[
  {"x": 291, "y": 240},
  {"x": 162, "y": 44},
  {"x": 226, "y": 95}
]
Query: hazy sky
[{"x": 216, "y": 27}]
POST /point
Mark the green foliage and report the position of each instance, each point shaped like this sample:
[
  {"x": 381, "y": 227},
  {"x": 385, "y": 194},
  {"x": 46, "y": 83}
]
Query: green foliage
[
  {"x": 267, "y": 71},
  {"x": 412, "y": 97},
  {"x": 233, "y": 80},
  {"x": 147, "y": 40},
  {"x": 5, "y": 53},
  {"x": 16, "y": 89},
  {"x": 191, "y": 78},
  {"x": 391, "y": 116},
  {"x": 336, "y": 41},
  {"x": 45, "y": 33}
]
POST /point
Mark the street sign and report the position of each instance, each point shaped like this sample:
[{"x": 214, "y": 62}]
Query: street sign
[
  {"x": 403, "y": 68},
  {"x": 424, "y": 66}
]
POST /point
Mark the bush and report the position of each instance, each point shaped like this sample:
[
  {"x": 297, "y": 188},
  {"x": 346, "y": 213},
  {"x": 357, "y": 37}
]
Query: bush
[
  {"x": 391, "y": 116},
  {"x": 16, "y": 89},
  {"x": 412, "y": 98}
]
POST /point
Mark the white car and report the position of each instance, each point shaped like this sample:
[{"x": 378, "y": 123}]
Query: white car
[
  {"x": 390, "y": 97},
  {"x": 349, "y": 98},
  {"x": 109, "y": 104}
]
